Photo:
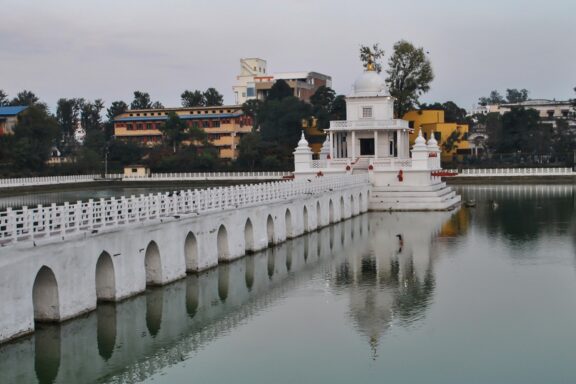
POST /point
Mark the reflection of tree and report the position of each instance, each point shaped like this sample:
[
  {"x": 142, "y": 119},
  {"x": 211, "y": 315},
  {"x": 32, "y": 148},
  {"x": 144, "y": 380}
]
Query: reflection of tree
[
  {"x": 522, "y": 214},
  {"x": 413, "y": 298}
]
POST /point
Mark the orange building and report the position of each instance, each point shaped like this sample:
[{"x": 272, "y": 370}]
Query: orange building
[{"x": 224, "y": 125}]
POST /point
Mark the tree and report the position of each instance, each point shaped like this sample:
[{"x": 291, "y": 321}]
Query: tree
[
  {"x": 28, "y": 98},
  {"x": 3, "y": 99},
  {"x": 250, "y": 150},
  {"x": 141, "y": 101},
  {"x": 173, "y": 130},
  {"x": 157, "y": 105},
  {"x": 452, "y": 112},
  {"x": 516, "y": 96},
  {"x": 67, "y": 115},
  {"x": 251, "y": 108},
  {"x": 494, "y": 99},
  {"x": 124, "y": 153},
  {"x": 281, "y": 121},
  {"x": 213, "y": 98},
  {"x": 322, "y": 101},
  {"x": 34, "y": 136},
  {"x": 90, "y": 115},
  {"x": 338, "y": 110},
  {"x": 493, "y": 123},
  {"x": 521, "y": 132},
  {"x": 192, "y": 99},
  {"x": 409, "y": 76},
  {"x": 25, "y": 97},
  {"x": 116, "y": 108},
  {"x": 371, "y": 56},
  {"x": 279, "y": 91}
]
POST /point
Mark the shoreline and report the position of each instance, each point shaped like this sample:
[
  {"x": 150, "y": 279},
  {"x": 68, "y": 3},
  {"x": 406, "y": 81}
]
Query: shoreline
[
  {"x": 119, "y": 184},
  {"x": 463, "y": 180}
]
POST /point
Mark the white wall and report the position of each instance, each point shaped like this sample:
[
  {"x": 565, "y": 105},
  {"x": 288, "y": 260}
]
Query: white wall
[{"x": 73, "y": 261}]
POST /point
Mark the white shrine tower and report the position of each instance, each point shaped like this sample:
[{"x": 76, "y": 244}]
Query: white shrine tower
[{"x": 372, "y": 141}]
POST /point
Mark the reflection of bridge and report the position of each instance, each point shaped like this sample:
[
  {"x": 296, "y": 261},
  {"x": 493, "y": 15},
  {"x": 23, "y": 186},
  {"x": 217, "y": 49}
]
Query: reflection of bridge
[
  {"x": 144, "y": 335},
  {"x": 63, "y": 259}
]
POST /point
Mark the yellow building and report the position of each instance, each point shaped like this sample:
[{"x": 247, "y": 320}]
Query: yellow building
[
  {"x": 451, "y": 137},
  {"x": 224, "y": 125}
]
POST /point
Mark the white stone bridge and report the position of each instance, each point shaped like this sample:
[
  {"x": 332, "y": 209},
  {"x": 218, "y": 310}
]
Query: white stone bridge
[{"x": 58, "y": 261}]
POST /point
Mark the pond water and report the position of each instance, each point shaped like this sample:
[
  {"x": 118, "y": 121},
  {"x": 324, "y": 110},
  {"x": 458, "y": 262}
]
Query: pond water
[{"x": 478, "y": 295}]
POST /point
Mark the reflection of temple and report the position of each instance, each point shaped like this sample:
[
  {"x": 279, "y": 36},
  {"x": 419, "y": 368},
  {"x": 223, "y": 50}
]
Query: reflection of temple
[{"x": 391, "y": 281}]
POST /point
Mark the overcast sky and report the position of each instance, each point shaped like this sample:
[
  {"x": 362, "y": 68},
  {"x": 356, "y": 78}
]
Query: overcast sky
[{"x": 109, "y": 48}]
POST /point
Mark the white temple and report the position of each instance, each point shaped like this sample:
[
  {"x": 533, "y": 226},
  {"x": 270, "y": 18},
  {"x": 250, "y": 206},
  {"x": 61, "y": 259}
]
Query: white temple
[{"x": 372, "y": 141}]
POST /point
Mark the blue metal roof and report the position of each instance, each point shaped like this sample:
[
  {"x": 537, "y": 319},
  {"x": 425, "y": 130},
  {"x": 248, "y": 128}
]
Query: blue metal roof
[
  {"x": 183, "y": 117},
  {"x": 12, "y": 111}
]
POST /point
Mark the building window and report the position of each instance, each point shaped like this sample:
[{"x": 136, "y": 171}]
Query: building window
[
  {"x": 205, "y": 124},
  {"x": 129, "y": 127},
  {"x": 411, "y": 124},
  {"x": 195, "y": 124},
  {"x": 216, "y": 124},
  {"x": 139, "y": 126},
  {"x": 250, "y": 92},
  {"x": 550, "y": 113},
  {"x": 366, "y": 112},
  {"x": 148, "y": 126}
]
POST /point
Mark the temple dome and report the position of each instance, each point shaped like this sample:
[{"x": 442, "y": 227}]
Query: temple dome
[{"x": 370, "y": 84}]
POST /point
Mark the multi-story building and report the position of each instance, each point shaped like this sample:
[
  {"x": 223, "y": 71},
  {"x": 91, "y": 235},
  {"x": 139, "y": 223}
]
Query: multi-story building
[
  {"x": 452, "y": 137},
  {"x": 254, "y": 82},
  {"x": 9, "y": 118},
  {"x": 224, "y": 126},
  {"x": 547, "y": 109}
]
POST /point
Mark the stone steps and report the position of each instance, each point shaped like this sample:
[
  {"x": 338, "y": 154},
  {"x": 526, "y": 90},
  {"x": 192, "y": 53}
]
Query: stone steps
[
  {"x": 416, "y": 205},
  {"x": 430, "y": 198},
  {"x": 416, "y": 194},
  {"x": 401, "y": 188}
]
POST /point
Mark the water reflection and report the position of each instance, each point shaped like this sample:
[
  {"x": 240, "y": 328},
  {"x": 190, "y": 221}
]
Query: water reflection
[
  {"x": 154, "y": 305},
  {"x": 47, "y": 352},
  {"x": 390, "y": 278},
  {"x": 192, "y": 292},
  {"x": 521, "y": 213},
  {"x": 131, "y": 340},
  {"x": 382, "y": 264},
  {"x": 106, "y": 332}
]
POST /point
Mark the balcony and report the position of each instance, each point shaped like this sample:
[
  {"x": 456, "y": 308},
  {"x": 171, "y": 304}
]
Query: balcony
[{"x": 359, "y": 125}]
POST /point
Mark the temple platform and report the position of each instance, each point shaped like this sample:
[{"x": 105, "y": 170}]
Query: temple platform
[{"x": 435, "y": 197}]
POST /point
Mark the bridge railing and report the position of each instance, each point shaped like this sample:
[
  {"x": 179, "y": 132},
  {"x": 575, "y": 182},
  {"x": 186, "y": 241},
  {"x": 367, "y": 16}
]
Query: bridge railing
[
  {"x": 211, "y": 176},
  {"x": 496, "y": 172},
  {"x": 89, "y": 216}
]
